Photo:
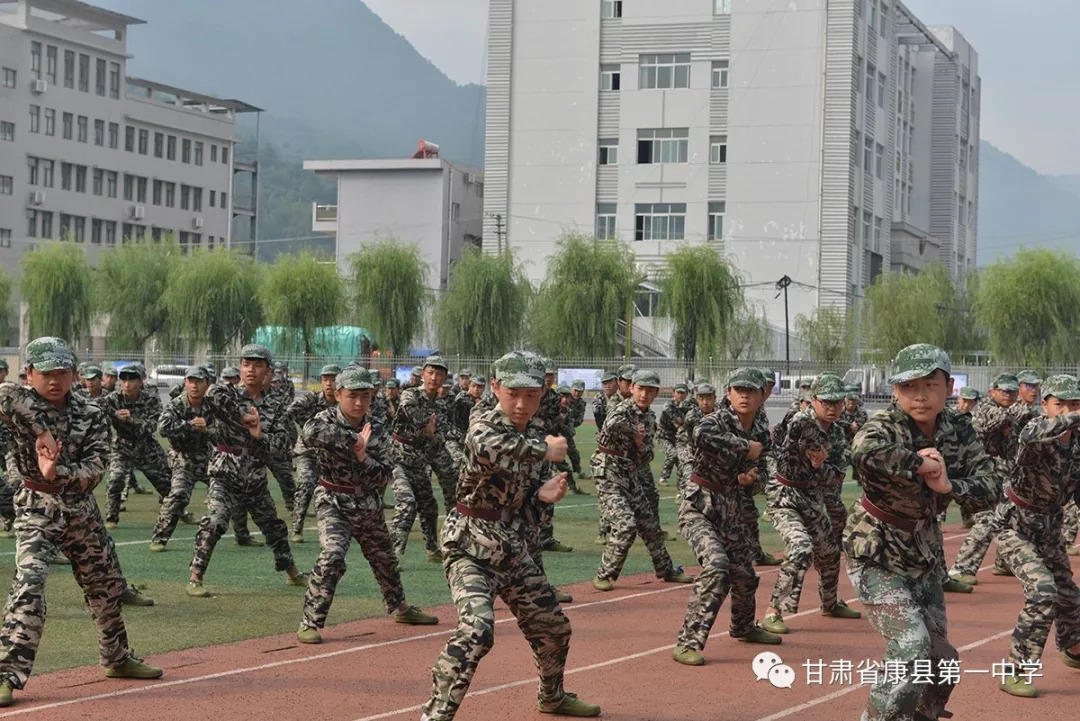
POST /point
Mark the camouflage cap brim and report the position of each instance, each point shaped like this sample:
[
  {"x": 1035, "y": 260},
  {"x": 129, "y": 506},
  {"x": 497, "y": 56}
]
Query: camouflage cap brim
[
  {"x": 1063, "y": 387},
  {"x": 705, "y": 389},
  {"x": 434, "y": 361},
  {"x": 330, "y": 369},
  {"x": 354, "y": 380},
  {"x": 746, "y": 378},
  {"x": 49, "y": 354},
  {"x": 198, "y": 373},
  {"x": 609, "y": 376},
  {"x": 919, "y": 361},
  {"x": 91, "y": 372},
  {"x": 520, "y": 370},
  {"x": 646, "y": 379}
]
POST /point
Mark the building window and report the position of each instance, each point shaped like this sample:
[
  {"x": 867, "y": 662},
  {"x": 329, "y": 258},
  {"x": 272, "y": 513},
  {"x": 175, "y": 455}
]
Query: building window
[
  {"x": 873, "y": 15},
  {"x": 33, "y": 164},
  {"x": 99, "y": 80},
  {"x": 114, "y": 81},
  {"x": 185, "y": 152},
  {"x": 84, "y": 73},
  {"x": 867, "y": 225},
  {"x": 224, "y": 199},
  {"x": 210, "y": 242},
  {"x": 7, "y": 130},
  {"x": 9, "y": 78},
  {"x": 198, "y": 152},
  {"x": 68, "y": 123},
  {"x": 876, "y": 247},
  {"x": 5, "y": 237},
  {"x": 196, "y": 204},
  {"x": 881, "y": 85},
  {"x": 225, "y": 154},
  {"x": 35, "y": 118},
  {"x": 129, "y": 187},
  {"x": 110, "y": 182},
  {"x": 157, "y": 192},
  {"x": 69, "y": 69},
  {"x": 868, "y": 154},
  {"x": 95, "y": 231},
  {"x": 80, "y": 178},
  {"x": 213, "y": 198},
  {"x": 884, "y": 18},
  {"x": 963, "y": 155},
  {"x": 871, "y": 77},
  {"x": 721, "y": 7},
  {"x": 610, "y": 77},
  {"x": 663, "y": 145},
  {"x": 99, "y": 133},
  {"x": 213, "y": 157},
  {"x": 658, "y": 72},
  {"x": 170, "y": 148},
  {"x": 718, "y": 149},
  {"x": 83, "y": 125},
  {"x": 716, "y": 221},
  {"x": 46, "y": 223},
  {"x": 611, "y": 9},
  {"x": 140, "y": 189},
  {"x": 65, "y": 226},
  {"x": 50, "y": 64},
  {"x": 185, "y": 197},
  {"x": 144, "y": 142},
  {"x": 720, "y": 73},
  {"x": 961, "y": 205},
  {"x": 609, "y": 151},
  {"x": 858, "y": 149},
  {"x": 155, "y": 233},
  {"x": 110, "y": 232},
  {"x": 50, "y": 121},
  {"x": 159, "y": 145},
  {"x": 856, "y": 214},
  {"x": 47, "y": 168},
  {"x": 65, "y": 176},
  {"x": 879, "y": 161},
  {"x": 80, "y": 229},
  {"x": 7, "y": 185},
  {"x": 129, "y": 138},
  {"x": 99, "y": 182},
  {"x": 605, "y": 221},
  {"x": 659, "y": 221},
  {"x": 114, "y": 135},
  {"x": 170, "y": 195},
  {"x": 31, "y": 224},
  {"x": 35, "y": 60}
]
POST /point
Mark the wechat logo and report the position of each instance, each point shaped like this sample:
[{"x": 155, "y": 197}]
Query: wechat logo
[{"x": 767, "y": 666}]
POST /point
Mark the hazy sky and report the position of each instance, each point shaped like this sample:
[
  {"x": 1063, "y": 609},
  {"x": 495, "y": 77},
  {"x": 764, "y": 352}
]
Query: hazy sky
[{"x": 1027, "y": 56}]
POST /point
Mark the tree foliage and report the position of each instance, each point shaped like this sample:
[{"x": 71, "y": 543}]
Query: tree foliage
[
  {"x": 130, "y": 286},
  {"x": 828, "y": 334},
  {"x": 301, "y": 294},
  {"x": 1030, "y": 305},
  {"x": 748, "y": 336},
  {"x": 389, "y": 291},
  {"x": 213, "y": 297},
  {"x": 484, "y": 308},
  {"x": 588, "y": 286},
  {"x": 57, "y": 285},
  {"x": 6, "y": 306},
  {"x": 701, "y": 296}
]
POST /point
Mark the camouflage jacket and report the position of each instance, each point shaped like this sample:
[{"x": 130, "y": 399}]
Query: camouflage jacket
[
  {"x": 1046, "y": 464},
  {"x": 176, "y": 390},
  {"x": 487, "y": 402},
  {"x": 236, "y": 452},
  {"x": 617, "y": 456},
  {"x": 886, "y": 460},
  {"x": 847, "y": 418},
  {"x": 779, "y": 432},
  {"x": 460, "y": 409},
  {"x": 331, "y": 437},
  {"x": 577, "y": 412},
  {"x": 175, "y": 426},
  {"x": 302, "y": 410},
  {"x": 413, "y": 414},
  {"x": 721, "y": 445},
  {"x": 551, "y": 417},
  {"x": 82, "y": 432},
  {"x": 689, "y": 417},
  {"x": 99, "y": 400},
  {"x": 138, "y": 430},
  {"x": 804, "y": 433},
  {"x": 600, "y": 409},
  {"x": 763, "y": 435},
  {"x": 665, "y": 425},
  {"x": 380, "y": 409},
  {"x": 993, "y": 425}
]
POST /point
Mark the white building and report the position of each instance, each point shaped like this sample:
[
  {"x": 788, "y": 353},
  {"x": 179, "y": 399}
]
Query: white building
[{"x": 824, "y": 141}]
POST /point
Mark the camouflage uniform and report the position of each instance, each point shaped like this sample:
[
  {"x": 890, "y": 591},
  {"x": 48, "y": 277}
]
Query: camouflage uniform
[
  {"x": 279, "y": 462},
  {"x": 889, "y": 543},
  {"x": 600, "y": 408},
  {"x": 59, "y": 515},
  {"x": 135, "y": 447},
  {"x": 665, "y": 436},
  {"x": 748, "y": 508},
  {"x": 551, "y": 418},
  {"x": 616, "y": 466},
  {"x": 576, "y": 417},
  {"x": 458, "y": 413},
  {"x": 299, "y": 412},
  {"x": 486, "y": 554},
  {"x": 689, "y": 416},
  {"x": 1070, "y": 525},
  {"x": 7, "y": 490}
]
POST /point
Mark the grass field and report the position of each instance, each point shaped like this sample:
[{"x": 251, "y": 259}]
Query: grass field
[{"x": 251, "y": 600}]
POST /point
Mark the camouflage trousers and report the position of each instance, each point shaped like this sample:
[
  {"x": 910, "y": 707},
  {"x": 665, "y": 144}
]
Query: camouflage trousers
[
  {"x": 801, "y": 519},
  {"x": 414, "y": 497},
  {"x": 525, "y": 589},
  {"x": 838, "y": 512},
  {"x": 229, "y": 492},
  {"x": 307, "y": 477},
  {"x": 280, "y": 464},
  {"x": 79, "y": 533},
  {"x": 629, "y": 513},
  {"x": 150, "y": 459},
  {"x": 683, "y": 467},
  {"x": 7, "y": 502},
  {"x": 342, "y": 518},
  {"x": 671, "y": 460},
  {"x": 186, "y": 471},
  {"x": 748, "y": 516},
  {"x": 1070, "y": 524},
  {"x": 909, "y": 613},
  {"x": 573, "y": 455},
  {"x": 456, "y": 449},
  {"x": 1031, "y": 545},
  {"x": 714, "y": 526},
  {"x": 977, "y": 542}
]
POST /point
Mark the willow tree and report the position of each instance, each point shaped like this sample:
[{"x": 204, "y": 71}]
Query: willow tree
[
  {"x": 58, "y": 288},
  {"x": 701, "y": 296},
  {"x": 300, "y": 294},
  {"x": 828, "y": 333},
  {"x": 904, "y": 308},
  {"x": 588, "y": 287},
  {"x": 1030, "y": 305},
  {"x": 130, "y": 286},
  {"x": 389, "y": 292},
  {"x": 213, "y": 298},
  {"x": 748, "y": 337},
  {"x": 484, "y": 308}
]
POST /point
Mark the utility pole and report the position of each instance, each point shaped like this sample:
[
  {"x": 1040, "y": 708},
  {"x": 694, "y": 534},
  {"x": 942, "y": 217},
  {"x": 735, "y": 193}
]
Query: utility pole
[
  {"x": 782, "y": 285},
  {"x": 499, "y": 231}
]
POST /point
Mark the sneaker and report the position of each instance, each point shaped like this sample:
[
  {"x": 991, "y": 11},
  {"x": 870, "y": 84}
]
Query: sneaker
[
  {"x": 760, "y": 635},
  {"x": 132, "y": 597},
  {"x": 601, "y": 540},
  {"x": 296, "y": 538},
  {"x": 156, "y": 547},
  {"x": 579, "y": 492},
  {"x": 571, "y": 705},
  {"x": 188, "y": 520},
  {"x": 140, "y": 491},
  {"x": 6, "y": 533},
  {"x": 434, "y": 556},
  {"x": 6, "y": 698},
  {"x": 999, "y": 571},
  {"x": 688, "y": 656},
  {"x": 61, "y": 560},
  {"x": 774, "y": 623},
  {"x": 677, "y": 576},
  {"x": 413, "y": 616},
  {"x": 951, "y": 585},
  {"x": 1072, "y": 550},
  {"x": 1070, "y": 660},
  {"x": 133, "y": 668},
  {"x": 563, "y": 597},
  {"x": 841, "y": 610},
  {"x": 308, "y": 635},
  {"x": 250, "y": 542},
  {"x": 766, "y": 559},
  {"x": 196, "y": 589},
  {"x": 558, "y": 547},
  {"x": 1016, "y": 686},
  {"x": 670, "y": 537},
  {"x": 602, "y": 584},
  {"x": 663, "y": 481},
  {"x": 110, "y": 525},
  {"x": 967, "y": 578},
  {"x": 299, "y": 579}
]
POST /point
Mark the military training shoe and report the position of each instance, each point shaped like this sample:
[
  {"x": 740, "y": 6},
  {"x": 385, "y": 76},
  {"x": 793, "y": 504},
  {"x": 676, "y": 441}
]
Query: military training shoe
[
  {"x": 309, "y": 635},
  {"x": 196, "y": 589},
  {"x": 132, "y": 597},
  {"x": 413, "y": 616},
  {"x": 296, "y": 538},
  {"x": 250, "y": 542},
  {"x": 188, "y": 520},
  {"x": 1016, "y": 686},
  {"x": 952, "y": 585},
  {"x": 602, "y": 584},
  {"x": 774, "y": 623},
  {"x": 677, "y": 576},
  {"x": 760, "y": 635},
  {"x": 688, "y": 656},
  {"x": 133, "y": 668},
  {"x": 601, "y": 540},
  {"x": 558, "y": 547},
  {"x": 999, "y": 571},
  {"x": 157, "y": 547},
  {"x": 299, "y": 579},
  {"x": 571, "y": 705},
  {"x": 1070, "y": 660},
  {"x": 563, "y": 596},
  {"x": 766, "y": 559},
  {"x": 1072, "y": 550},
  {"x": 841, "y": 610},
  {"x": 435, "y": 556},
  {"x": 964, "y": 578},
  {"x": 6, "y": 699}
]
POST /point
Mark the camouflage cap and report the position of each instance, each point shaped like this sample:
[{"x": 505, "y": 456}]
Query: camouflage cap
[
  {"x": 210, "y": 366},
  {"x": 4, "y": 364},
  {"x": 280, "y": 365},
  {"x": 806, "y": 383},
  {"x": 330, "y": 369},
  {"x": 254, "y": 351},
  {"x": 626, "y": 372},
  {"x": 133, "y": 369},
  {"x": 108, "y": 369},
  {"x": 392, "y": 383},
  {"x": 770, "y": 376},
  {"x": 478, "y": 381},
  {"x": 49, "y": 354},
  {"x": 646, "y": 379},
  {"x": 578, "y": 385},
  {"x": 828, "y": 388},
  {"x": 436, "y": 361},
  {"x": 853, "y": 391},
  {"x": 705, "y": 389},
  {"x": 417, "y": 371},
  {"x": 562, "y": 390},
  {"x": 681, "y": 388},
  {"x": 230, "y": 372},
  {"x": 549, "y": 366},
  {"x": 804, "y": 396},
  {"x": 746, "y": 378},
  {"x": 520, "y": 370},
  {"x": 197, "y": 372},
  {"x": 354, "y": 379},
  {"x": 969, "y": 394},
  {"x": 89, "y": 371},
  {"x": 1005, "y": 382},
  {"x": 1063, "y": 387},
  {"x": 465, "y": 373},
  {"x": 1029, "y": 377},
  {"x": 609, "y": 376},
  {"x": 918, "y": 361}
]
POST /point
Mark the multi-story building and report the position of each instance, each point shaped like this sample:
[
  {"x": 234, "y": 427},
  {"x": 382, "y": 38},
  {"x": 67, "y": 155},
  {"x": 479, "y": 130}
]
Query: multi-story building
[
  {"x": 95, "y": 156},
  {"x": 824, "y": 141}
]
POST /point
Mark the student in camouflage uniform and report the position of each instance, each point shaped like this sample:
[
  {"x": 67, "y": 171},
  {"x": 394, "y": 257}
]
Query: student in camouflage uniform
[
  {"x": 464, "y": 379},
  {"x": 854, "y": 415},
  {"x": 1029, "y": 520},
  {"x": 350, "y": 449},
  {"x": 810, "y": 464},
  {"x": 279, "y": 462},
  {"x": 1070, "y": 525},
  {"x": 460, "y": 410},
  {"x": 418, "y": 449},
  {"x": 299, "y": 412},
  {"x": 7, "y": 491},
  {"x": 134, "y": 412},
  {"x": 624, "y": 444},
  {"x": 249, "y": 427},
  {"x": 727, "y": 458},
  {"x": 576, "y": 416},
  {"x": 891, "y": 533},
  {"x": 416, "y": 379},
  {"x": 485, "y": 546},
  {"x": 763, "y": 435},
  {"x": 966, "y": 400},
  {"x": 230, "y": 375},
  {"x": 552, "y": 419},
  {"x": 693, "y": 410},
  {"x": 609, "y": 386},
  {"x": 566, "y": 423},
  {"x": 60, "y": 441},
  {"x": 666, "y": 430}
]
